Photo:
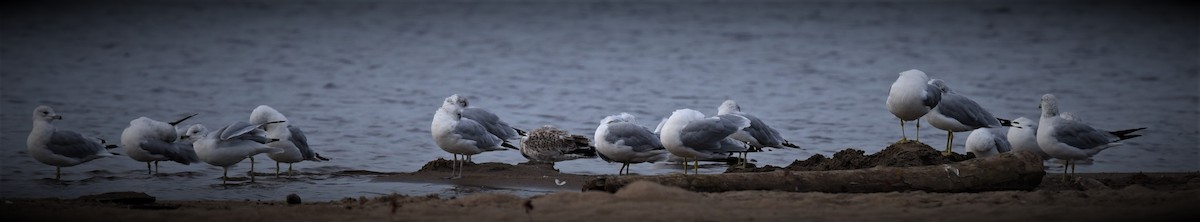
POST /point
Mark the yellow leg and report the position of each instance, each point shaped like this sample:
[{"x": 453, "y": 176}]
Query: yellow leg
[
  {"x": 696, "y": 166},
  {"x": 949, "y": 143},
  {"x": 903, "y": 135}
]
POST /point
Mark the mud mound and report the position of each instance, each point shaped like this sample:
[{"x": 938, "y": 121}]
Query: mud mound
[{"x": 896, "y": 155}]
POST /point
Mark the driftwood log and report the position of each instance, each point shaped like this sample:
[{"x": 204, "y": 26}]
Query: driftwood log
[{"x": 1008, "y": 171}]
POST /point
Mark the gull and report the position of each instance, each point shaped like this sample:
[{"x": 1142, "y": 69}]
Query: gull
[
  {"x": 290, "y": 138},
  {"x": 984, "y": 143},
  {"x": 461, "y": 136},
  {"x": 911, "y": 97},
  {"x": 489, "y": 121},
  {"x": 758, "y": 135},
  {"x": 690, "y": 135},
  {"x": 549, "y": 144},
  {"x": 1071, "y": 140},
  {"x": 148, "y": 140},
  {"x": 1023, "y": 137},
  {"x": 231, "y": 144},
  {"x": 61, "y": 148},
  {"x": 619, "y": 139},
  {"x": 957, "y": 113}
]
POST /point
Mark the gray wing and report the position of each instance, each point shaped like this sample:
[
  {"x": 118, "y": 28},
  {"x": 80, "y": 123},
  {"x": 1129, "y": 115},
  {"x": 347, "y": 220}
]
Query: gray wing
[
  {"x": 763, "y": 133},
  {"x": 707, "y": 134},
  {"x": 178, "y": 152},
  {"x": 237, "y": 129},
  {"x": 966, "y": 111},
  {"x": 1002, "y": 144},
  {"x": 71, "y": 144},
  {"x": 491, "y": 122},
  {"x": 638, "y": 137},
  {"x": 471, "y": 130},
  {"x": 301, "y": 143},
  {"x": 933, "y": 96},
  {"x": 1081, "y": 135}
]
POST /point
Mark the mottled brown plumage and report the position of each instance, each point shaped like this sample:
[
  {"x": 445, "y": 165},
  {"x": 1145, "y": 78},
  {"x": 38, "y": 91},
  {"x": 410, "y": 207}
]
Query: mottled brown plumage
[{"x": 550, "y": 144}]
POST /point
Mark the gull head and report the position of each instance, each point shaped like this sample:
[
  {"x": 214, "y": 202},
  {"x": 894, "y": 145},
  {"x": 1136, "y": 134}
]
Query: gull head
[
  {"x": 194, "y": 131},
  {"x": 1023, "y": 123},
  {"x": 913, "y": 73},
  {"x": 940, "y": 85},
  {"x": 727, "y": 107},
  {"x": 45, "y": 113},
  {"x": 623, "y": 117},
  {"x": 265, "y": 114},
  {"x": 1049, "y": 105}
]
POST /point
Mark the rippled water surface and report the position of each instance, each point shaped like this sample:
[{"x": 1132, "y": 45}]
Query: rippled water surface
[{"x": 363, "y": 79}]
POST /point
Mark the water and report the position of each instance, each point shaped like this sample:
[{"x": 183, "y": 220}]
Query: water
[{"x": 363, "y": 79}]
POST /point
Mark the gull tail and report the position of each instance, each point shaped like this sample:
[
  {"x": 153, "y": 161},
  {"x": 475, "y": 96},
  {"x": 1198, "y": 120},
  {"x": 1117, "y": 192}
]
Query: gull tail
[
  {"x": 1125, "y": 134},
  {"x": 589, "y": 151},
  {"x": 506, "y": 144},
  {"x": 520, "y": 132},
  {"x": 789, "y": 144}
]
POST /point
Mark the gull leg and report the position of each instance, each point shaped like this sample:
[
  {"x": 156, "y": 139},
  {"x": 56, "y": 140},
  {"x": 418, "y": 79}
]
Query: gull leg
[
  {"x": 225, "y": 177},
  {"x": 251, "y": 169},
  {"x": 696, "y": 166},
  {"x": 1065, "y": 165},
  {"x": 276, "y": 168},
  {"x": 148, "y": 171},
  {"x": 918, "y": 138},
  {"x": 949, "y": 142},
  {"x": 289, "y": 169},
  {"x": 903, "y": 135},
  {"x": 155, "y": 166},
  {"x": 57, "y": 173}
]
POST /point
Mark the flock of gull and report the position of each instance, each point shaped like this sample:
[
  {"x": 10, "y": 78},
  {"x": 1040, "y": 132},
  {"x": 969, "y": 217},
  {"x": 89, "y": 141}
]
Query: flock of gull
[{"x": 686, "y": 135}]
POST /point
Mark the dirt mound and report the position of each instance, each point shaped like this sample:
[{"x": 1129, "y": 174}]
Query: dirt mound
[{"x": 896, "y": 155}]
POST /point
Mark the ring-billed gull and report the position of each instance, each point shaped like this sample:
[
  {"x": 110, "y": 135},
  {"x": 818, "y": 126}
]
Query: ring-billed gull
[
  {"x": 758, "y": 135},
  {"x": 910, "y": 98},
  {"x": 231, "y": 144},
  {"x": 61, "y": 148},
  {"x": 620, "y": 139},
  {"x": 148, "y": 140},
  {"x": 292, "y": 140},
  {"x": 489, "y": 121},
  {"x": 1071, "y": 140},
  {"x": 957, "y": 113},
  {"x": 459, "y": 135},
  {"x": 690, "y": 135},
  {"x": 549, "y": 144},
  {"x": 1023, "y": 137},
  {"x": 984, "y": 143}
]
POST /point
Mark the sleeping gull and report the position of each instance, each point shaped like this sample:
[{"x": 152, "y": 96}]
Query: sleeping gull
[
  {"x": 1023, "y": 137},
  {"x": 291, "y": 139},
  {"x": 61, "y": 148},
  {"x": 758, "y": 135},
  {"x": 148, "y": 140},
  {"x": 489, "y": 121},
  {"x": 912, "y": 97},
  {"x": 690, "y": 135},
  {"x": 231, "y": 144},
  {"x": 619, "y": 139},
  {"x": 461, "y": 136},
  {"x": 984, "y": 143},
  {"x": 957, "y": 113},
  {"x": 548, "y": 144},
  {"x": 1071, "y": 140}
]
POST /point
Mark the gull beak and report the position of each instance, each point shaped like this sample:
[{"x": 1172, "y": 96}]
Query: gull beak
[{"x": 56, "y": 117}]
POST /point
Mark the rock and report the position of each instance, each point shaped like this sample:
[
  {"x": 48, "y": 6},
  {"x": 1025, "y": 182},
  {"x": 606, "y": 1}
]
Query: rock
[
  {"x": 293, "y": 199},
  {"x": 130, "y": 198},
  {"x": 1092, "y": 184}
]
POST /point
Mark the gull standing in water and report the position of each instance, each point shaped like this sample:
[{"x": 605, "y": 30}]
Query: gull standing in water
[
  {"x": 290, "y": 138},
  {"x": 1023, "y": 137},
  {"x": 459, "y": 135},
  {"x": 61, "y": 148},
  {"x": 231, "y": 144},
  {"x": 957, "y": 113},
  {"x": 758, "y": 135},
  {"x": 984, "y": 143},
  {"x": 619, "y": 139},
  {"x": 148, "y": 140},
  {"x": 548, "y": 144},
  {"x": 1071, "y": 140},
  {"x": 688, "y": 134},
  {"x": 910, "y": 98}
]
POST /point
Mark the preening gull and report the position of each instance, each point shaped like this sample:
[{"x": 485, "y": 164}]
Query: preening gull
[
  {"x": 61, "y": 148},
  {"x": 1023, "y": 137},
  {"x": 910, "y": 98},
  {"x": 549, "y": 144},
  {"x": 231, "y": 144},
  {"x": 148, "y": 140},
  {"x": 957, "y": 113},
  {"x": 458, "y": 135},
  {"x": 690, "y": 135},
  {"x": 758, "y": 135},
  {"x": 291, "y": 139},
  {"x": 984, "y": 143},
  {"x": 1071, "y": 140},
  {"x": 489, "y": 121},
  {"x": 620, "y": 139}
]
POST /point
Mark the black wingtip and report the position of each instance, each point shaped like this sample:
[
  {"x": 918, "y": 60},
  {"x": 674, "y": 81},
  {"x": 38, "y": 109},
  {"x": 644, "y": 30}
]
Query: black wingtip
[
  {"x": 1004, "y": 122},
  {"x": 505, "y": 144},
  {"x": 789, "y": 144},
  {"x": 520, "y": 132},
  {"x": 110, "y": 146},
  {"x": 176, "y": 122},
  {"x": 1124, "y": 134},
  {"x": 321, "y": 158}
]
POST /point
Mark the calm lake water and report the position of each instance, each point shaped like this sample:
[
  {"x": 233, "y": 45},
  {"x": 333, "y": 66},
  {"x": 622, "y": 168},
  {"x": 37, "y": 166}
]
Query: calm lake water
[{"x": 363, "y": 79}]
